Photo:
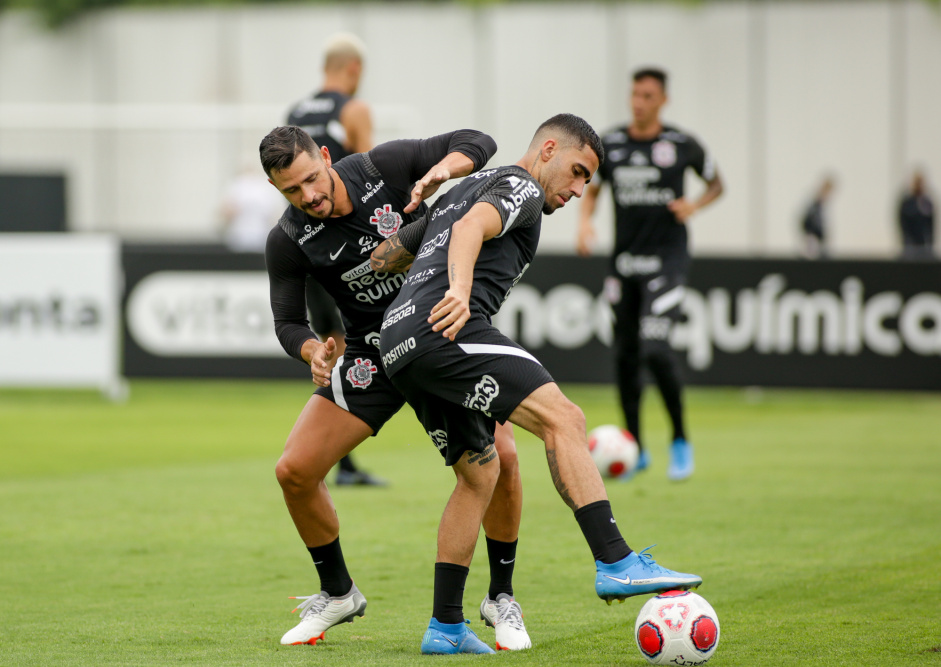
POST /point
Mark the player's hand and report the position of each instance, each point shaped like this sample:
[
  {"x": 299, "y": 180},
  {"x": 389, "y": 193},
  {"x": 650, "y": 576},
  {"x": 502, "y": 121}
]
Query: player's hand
[
  {"x": 682, "y": 208},
  {"x": 586, "y": 239},
  {"x": 322, "y": 362},
  {"x": 450, "y": 314},
  {"x": 427, "y": 186}
]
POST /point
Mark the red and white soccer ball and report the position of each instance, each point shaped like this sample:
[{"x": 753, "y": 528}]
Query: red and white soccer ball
[
  {"x": 677, "y": 628},
  {"x": 613, "y": 449}
]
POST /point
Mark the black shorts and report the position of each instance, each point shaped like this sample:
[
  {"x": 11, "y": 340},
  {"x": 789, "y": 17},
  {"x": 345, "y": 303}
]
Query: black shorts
[
  {"x": 360, "y": 386},
  {"x": 459, "y": 391},
  {"x": 646, "y": 307}
]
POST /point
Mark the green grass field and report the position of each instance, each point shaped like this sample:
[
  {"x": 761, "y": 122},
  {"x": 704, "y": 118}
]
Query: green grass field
[{"x": 153, "y": 532}]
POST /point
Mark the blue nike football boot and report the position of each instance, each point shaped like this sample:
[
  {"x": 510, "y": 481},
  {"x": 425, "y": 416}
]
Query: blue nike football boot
[
  {"x": 449, "y": 638},
  {"x": 681, "y": 460},
  {"x": 638, "y": 574}
]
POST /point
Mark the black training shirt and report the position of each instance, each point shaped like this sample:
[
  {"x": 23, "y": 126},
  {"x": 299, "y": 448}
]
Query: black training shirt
[
  {"x": 336, "y": 251},
  {"x": 518, "y": 198}
]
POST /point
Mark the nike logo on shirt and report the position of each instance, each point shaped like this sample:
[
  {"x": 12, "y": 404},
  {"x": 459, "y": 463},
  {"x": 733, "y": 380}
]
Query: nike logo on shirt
[{"x": 334, "y": 255}]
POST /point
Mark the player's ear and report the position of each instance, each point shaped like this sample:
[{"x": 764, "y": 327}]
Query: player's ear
[
  {"x": 325, "y": 154},
  {"x": 549, "y": 148}
]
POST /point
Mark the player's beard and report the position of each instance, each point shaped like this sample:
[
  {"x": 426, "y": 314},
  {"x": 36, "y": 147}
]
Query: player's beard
[{"x": 328, "y": 209}]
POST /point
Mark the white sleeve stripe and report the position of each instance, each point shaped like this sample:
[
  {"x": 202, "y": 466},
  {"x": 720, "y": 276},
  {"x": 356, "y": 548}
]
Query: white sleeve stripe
[
  {"x": 336, "y": 383},
  {"x": 481, "y": 348},
  {"x": 510, "y": 221}
]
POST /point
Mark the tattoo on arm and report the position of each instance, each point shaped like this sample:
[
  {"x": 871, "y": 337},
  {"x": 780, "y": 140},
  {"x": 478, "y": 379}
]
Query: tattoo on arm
[
  {"x": 557, "y": 479},
  {"x": 453, "y": 272},
  {"x": 484, "y": 457},
  {"x": 391, "y": 257}
]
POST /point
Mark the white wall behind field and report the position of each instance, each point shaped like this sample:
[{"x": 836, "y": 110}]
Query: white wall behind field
[{"x": 150, "y": 112}]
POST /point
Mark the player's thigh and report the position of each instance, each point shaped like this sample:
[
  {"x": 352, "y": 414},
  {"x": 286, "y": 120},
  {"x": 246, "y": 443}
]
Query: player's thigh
[
  {"x": 322, "y": 435},
  {"x": 479, "y": 469},
  {"x": 624, "y": 295}
]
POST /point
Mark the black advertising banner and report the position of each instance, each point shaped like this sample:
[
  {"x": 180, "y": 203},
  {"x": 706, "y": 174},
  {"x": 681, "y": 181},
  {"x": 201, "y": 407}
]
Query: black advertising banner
[
  {"x": 845, "y": 324},
  {"x": 199, "y": 311},
  {"x": 204, "y": 312}
]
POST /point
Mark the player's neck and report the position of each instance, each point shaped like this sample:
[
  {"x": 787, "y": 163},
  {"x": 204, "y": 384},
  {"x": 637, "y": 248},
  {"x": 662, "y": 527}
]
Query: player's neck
[
  {"x": 335, "y": 83},
  {"x": 342, "y": 205},
  {"x": 645, "y": 132}
]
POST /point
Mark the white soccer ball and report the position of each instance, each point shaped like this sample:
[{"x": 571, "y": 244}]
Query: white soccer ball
[
  {"x": 613, "y": 449},
  {"x": 677, "y": 628}
]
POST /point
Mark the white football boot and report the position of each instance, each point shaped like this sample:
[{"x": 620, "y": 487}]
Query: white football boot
[
  {"x": 506, "y": 617},
  {"x": 320, "y": 612}
]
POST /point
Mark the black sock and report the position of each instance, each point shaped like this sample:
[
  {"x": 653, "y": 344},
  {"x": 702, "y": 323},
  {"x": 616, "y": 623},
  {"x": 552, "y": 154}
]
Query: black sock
[
  {"x": 601, "y": 532},
  {"x": 347, "y": 465},
  {"x": 334, "y": 579},
  {"x": 449, "y": 592},
  {"x": 502, "y": 557}
]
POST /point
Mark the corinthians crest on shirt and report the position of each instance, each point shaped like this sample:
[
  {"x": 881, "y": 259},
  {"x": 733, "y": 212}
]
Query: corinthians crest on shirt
[
  {"x": 361, "y": 372},
  {"x": 386, "y": 220}
]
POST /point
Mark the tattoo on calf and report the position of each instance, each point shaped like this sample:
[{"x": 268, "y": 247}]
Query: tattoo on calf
[{"x": 557, "y": 479}]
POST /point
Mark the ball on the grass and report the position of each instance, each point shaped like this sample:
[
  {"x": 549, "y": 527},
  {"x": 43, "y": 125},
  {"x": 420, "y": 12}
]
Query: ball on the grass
[
  {"x": 677, "y": 628},
  {"x": 613, "y": 450}
]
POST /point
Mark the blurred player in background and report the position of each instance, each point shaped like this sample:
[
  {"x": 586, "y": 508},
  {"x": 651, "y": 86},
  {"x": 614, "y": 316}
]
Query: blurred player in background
[
  {"x": 645, "y": 166},
  {"x": 462, "y": 376},
  {"x": 814, "y": 222},
  {"x": 916, "y": 220},
  {"x": 340, "y": 212},
  {"x": 342, "y": 124}
]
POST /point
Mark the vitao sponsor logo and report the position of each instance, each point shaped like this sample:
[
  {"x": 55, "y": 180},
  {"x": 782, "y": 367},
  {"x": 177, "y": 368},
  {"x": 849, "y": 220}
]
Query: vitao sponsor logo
[
  {"x": 207, "y": 314},
  {"x": 429, "y": 247},
  {"x": 370, "y": 286}
]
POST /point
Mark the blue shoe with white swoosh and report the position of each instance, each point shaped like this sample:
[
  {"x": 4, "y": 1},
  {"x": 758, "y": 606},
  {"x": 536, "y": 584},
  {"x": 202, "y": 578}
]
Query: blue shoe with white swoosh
[
  {"x": 638, "y": 574},
  {"x": 451, "y": 638}
]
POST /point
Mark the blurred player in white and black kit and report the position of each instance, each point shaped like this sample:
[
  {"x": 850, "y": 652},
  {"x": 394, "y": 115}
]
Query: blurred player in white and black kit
[
  {"x": 644, "y": 166},
  {"x": 339, "y": 213},
  {"x": 342, "y": 124},
  {"x": 462, "y": 376}
]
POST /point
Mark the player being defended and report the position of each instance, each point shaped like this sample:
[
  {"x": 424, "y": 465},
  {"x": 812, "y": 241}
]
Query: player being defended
[
  {"x": 461, "y": 375},
  {"x": 338, "y": 214},
  {"x": 645, "y": 165}
]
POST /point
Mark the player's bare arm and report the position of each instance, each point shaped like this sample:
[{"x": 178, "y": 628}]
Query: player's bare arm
[
  {"x": 586, "y": 229},
  {"x": 357, "y": 122},
  {"x": 468, "y": 234},
  {"x": 322, "y": 359},
  {"x": 683, "y": 209},
  {"x": 391, "y": 257},
  {"x": 454, "y": 165}
]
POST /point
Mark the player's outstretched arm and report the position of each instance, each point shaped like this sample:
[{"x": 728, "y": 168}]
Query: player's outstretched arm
[
  {"x": 454, "y": 165},
  {"x": 391, "y": 257},
  {"x": 468, "y": 234}
]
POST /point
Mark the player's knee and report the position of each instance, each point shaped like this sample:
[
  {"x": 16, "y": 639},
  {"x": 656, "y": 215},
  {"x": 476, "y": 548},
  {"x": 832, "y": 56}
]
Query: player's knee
[
  {"x": 292, "y": 476},
  {"x": 506, "y": 452},
  {"x": 566, "y": 417}
]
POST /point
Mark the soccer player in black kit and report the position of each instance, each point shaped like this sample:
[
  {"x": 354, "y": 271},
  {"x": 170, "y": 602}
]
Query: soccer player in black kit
[
  {"x": 342, "y": 124},
  {"x": 462, "y": 376},
  {"x": 645, "y": 165},
  {"x": 339, "y": 213}
]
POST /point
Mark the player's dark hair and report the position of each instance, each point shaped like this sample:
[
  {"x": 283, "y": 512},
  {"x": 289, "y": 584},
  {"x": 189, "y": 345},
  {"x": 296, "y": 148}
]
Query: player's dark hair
[
  {"x": 280, "y": 146},
  {"x": 576, "y": 129},
  {"x": 651, "y": 73}
]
